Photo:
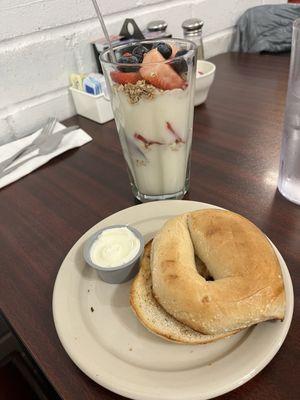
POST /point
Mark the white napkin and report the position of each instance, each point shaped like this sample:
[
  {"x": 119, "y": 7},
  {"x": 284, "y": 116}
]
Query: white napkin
[{"x": 70, "y": 140}]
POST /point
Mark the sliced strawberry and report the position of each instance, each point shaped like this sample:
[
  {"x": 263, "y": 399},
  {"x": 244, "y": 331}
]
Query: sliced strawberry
[
  {"x": 174, "y": 50},
  {"x": 125, "y": 77},
  {"x": 146, "y": 142},
  {"x": 174, "y": 133},
  {"x": 160, "y": 74}
]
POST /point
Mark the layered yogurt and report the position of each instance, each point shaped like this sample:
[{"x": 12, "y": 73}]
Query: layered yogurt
[
  {"x": 153, "y": 112},
  {"x": 156, "y": 136}
]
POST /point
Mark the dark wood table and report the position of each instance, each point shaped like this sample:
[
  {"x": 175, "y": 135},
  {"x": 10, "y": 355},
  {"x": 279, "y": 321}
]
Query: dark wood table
[{"x": 235, "y": 155}]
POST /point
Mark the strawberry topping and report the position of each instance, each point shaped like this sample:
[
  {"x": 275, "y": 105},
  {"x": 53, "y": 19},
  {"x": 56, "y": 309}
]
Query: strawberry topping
[
  {"x": 160, "y": 74},
  {"x": 125, "y": 77},
  {"x": 175, "y": 134},
  {"x": 146, "y": 142},
  {"x": 174, "y": 50}
]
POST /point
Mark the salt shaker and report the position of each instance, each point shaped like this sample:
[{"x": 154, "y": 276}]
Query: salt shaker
[{"x": 192, "y": 30}]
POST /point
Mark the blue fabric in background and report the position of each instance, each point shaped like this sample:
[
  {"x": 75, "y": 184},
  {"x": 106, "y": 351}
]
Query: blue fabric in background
[{"x": 266, "y": 28}]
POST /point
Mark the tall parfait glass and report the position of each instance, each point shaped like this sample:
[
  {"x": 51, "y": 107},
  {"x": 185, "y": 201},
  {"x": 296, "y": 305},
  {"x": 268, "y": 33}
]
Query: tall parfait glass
[{"x": 151, "y": 86}]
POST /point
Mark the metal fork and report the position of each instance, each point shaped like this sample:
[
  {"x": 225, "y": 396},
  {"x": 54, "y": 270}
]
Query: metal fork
[
  {"x": 47, "y": 130},
  {"x": 46, "y": 147}
]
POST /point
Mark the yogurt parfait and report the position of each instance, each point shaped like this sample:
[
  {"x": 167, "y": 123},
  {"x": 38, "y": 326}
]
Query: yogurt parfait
[{"x": 152, "y": 93}]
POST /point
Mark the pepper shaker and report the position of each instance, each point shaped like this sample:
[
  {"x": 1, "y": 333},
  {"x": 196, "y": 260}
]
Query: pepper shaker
[
  {"x": 192, "y": 30},
  {"x": 156, "y": 30}
]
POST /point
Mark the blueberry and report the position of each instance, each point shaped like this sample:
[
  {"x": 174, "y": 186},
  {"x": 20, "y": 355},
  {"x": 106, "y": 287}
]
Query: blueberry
[
  {"x": 149, "y": 46},
  {"x": 180, "y": 53},
  {"x": 139, "y": 52},
  {"x": 165, "y": 50},
  {"x": 128, "y": 60},
  {"x": 179, "y": 64}
]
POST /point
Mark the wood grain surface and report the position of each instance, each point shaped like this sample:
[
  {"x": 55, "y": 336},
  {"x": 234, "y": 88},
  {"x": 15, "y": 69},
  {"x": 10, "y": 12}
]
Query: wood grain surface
[{"x": 235, "y": 156}]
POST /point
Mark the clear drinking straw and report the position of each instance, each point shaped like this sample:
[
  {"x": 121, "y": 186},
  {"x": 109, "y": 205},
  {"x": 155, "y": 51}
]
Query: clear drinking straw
[{"x": 101, "y": 20}]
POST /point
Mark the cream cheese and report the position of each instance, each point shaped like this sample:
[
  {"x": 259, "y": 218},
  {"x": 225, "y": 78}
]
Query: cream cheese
[{"x": 114, "y": 247}]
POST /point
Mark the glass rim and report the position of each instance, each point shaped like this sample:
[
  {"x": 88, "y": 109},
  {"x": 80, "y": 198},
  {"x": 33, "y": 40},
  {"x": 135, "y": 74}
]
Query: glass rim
[
  {"x": 166, "y": 40},
  {"x": 296, "y": 23}
]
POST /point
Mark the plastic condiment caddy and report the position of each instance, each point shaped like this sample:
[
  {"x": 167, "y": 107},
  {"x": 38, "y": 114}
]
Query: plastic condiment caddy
[{"x": 97, "y": 108}]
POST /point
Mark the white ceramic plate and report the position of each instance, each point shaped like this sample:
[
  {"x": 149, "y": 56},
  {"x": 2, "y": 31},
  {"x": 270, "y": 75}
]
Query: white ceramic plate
[{"x": 115, "y": 350}]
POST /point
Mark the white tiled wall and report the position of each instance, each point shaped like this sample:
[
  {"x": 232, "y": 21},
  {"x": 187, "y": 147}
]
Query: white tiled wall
[{"x": 43, "y": 41}]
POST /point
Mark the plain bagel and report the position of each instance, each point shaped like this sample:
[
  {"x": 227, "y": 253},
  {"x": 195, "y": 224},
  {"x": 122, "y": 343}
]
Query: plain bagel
[
  {"x": 247, "y": 286},
  {"x": 154, "y": 317}
]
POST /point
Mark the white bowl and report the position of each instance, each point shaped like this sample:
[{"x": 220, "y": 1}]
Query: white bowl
[{"x": 205, "y": 75}]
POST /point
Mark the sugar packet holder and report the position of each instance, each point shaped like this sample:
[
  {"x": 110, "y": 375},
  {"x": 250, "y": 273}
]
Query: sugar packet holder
[{"x": 95, "y": 107}]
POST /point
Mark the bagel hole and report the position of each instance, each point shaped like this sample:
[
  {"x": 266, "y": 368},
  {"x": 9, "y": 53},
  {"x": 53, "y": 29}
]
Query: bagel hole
[{"x": 202, "y": 269}]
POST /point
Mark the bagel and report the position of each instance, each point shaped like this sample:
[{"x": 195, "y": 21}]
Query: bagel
[
  {"x": 154, "y": 317},
  {"x": 247, "y": 286}
]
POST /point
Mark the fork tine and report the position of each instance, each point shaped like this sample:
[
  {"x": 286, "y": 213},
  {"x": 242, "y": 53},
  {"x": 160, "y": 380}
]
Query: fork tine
[
  {"x": 45, "y": 129},
  {"x": 52, "y": 125},
  {"x": 49, "y": 126}
]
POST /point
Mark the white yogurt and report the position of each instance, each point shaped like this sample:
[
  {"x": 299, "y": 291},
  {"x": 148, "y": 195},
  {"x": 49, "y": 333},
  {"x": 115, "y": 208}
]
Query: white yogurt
[
  {"x": 114, "y": 247},
  {"x": 156, "y": 168}
]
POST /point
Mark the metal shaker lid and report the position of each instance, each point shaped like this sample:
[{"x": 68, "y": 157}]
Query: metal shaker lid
[
  {"x": 156, "y": 26},
  {"x": 192, "y": 24}
]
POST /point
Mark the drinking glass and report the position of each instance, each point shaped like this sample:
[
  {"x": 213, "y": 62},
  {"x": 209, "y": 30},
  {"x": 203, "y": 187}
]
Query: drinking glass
[
  {"x": 289, "y": 173},
  {"x": 153, "y": 106}
]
